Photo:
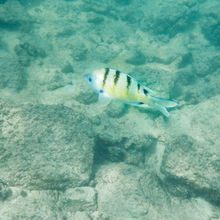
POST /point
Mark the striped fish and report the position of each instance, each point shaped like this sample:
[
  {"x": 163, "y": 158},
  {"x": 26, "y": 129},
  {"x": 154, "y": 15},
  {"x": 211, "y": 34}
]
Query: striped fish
[{"x": 114, "y": 84}]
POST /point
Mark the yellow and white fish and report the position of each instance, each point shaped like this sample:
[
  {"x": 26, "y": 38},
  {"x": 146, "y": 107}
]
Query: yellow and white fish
[{"x": 114, "y": 84}]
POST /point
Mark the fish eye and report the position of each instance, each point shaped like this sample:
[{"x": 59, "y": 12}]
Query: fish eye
[{"x": 90, "y": 79}]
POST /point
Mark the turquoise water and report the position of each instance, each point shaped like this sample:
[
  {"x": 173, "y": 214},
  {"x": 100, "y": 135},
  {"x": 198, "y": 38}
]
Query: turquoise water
[{"x": 65, "y": 156}]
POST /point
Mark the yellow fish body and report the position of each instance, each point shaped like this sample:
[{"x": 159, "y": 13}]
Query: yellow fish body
[{"x": 114, "y": 84}]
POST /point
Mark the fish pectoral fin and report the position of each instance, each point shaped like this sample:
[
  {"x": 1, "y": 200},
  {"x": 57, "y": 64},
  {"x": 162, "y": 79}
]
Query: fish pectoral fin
[
  {"x": 138, "y": 104},
  {"x": 104, "y": 99}
]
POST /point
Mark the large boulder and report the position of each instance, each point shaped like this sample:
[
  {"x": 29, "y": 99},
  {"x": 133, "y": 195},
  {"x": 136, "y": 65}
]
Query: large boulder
[
  {"x": 75, "y": 203},
  {"x": 191, "y": 157},
  {"x": 119, "y": 195},
  {"x": 24, "y": 204},
  {"x": 127, "y": 192},
  {"x": 45, "y": 147},
  {"x": 164, "y": 205}
]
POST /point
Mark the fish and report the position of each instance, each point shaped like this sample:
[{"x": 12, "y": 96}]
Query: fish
[{"x": 111, "y": 84}]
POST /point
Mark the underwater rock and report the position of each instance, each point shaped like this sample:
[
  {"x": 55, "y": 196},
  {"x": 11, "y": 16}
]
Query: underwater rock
[
  {"x": 29, "y": 205},
  {"x": 210, "y": 24},
  {"x": 59, "y": 80},
  {"x": 78, "y": 199},
  {"x": 119, "y": 194},
  {"x": 14, "y": 17},
  {"x": 191, "y": 156},
  {"x": 79, "y": 215},
  {"x": 169, "y": 17},
  {"x": 186, "y": 60},
  {"x": 79, "y": 51},
  {"x": 67, "y": 68},
  {"x": 95, "y": 19},
  {"x": 139, "y": 194},
  {"x": 131, "y": 16},
  {"x": 27, "y": 53},
  {"x": 47, "y": 147},
  {"x": 76, "y": 203},
  {"x": 212, "y": 33},
  {"x": 86, "y": 97},
  {"x": 5, "y": 191},
  {"x": 12, "y": 75},
  {"x": 163, "y": 205},
  {"x": 193, "y": 89},
  {"x": 104, "y": 53},
  {"x": 137, "y": 59},
  {"x": 116, "y": 109},
  {"x": 52, "y": 147},
  {"x": 205, "y": 63},
  {"x": 116, "y": 144},
  {"x": 139, "y": 148}
]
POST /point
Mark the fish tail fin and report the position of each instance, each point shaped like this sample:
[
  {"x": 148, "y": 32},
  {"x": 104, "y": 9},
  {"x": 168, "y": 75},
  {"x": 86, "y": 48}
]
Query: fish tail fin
[{"x": 161, "y": 104}]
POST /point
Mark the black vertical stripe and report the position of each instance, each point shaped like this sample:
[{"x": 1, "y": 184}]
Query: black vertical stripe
[
  {"x": 145, "y": 91},
  {"x": 128, "y": 81},
  {"x": 105, "y": 77},
  {"x": 116, "y": 78},
  {"x": 138, "y": 87}
]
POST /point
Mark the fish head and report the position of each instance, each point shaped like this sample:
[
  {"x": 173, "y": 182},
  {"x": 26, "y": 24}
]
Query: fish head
[
  {"x": 91, "y": 79},
  {"x": 95, "y": 79}
]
